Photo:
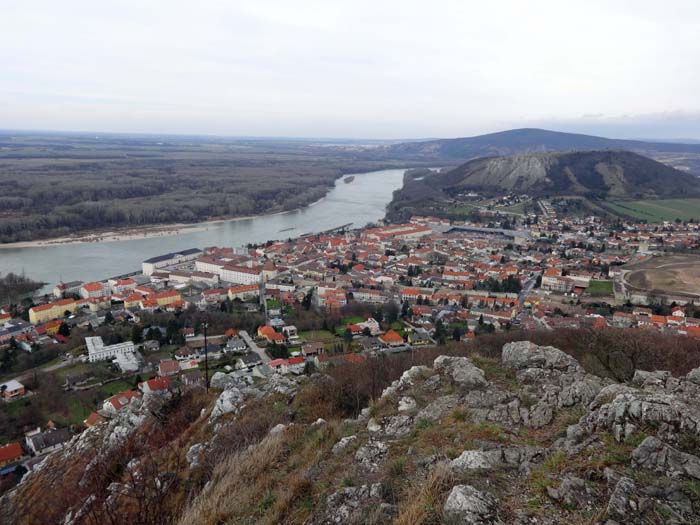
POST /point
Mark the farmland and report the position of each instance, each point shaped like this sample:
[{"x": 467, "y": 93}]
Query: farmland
[{"x": 658, "y": 210}]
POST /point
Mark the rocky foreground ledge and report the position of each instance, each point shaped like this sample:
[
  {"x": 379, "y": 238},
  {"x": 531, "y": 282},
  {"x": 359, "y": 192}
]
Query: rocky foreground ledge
[{"x": 532, "y": 439}]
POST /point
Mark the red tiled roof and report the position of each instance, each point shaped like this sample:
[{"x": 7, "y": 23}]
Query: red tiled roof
[{"x": 10, "y": 452}]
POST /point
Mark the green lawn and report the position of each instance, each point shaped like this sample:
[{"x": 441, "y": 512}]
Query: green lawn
[
  {"x": 518, "y": 208},
  {"x": 323, "y": 336},
  {"x": 464, "y": 209},
  {"x": 600, "y": 287},
  {"x": 115, "y": 387},
  {"x": 659, "y": 210}
]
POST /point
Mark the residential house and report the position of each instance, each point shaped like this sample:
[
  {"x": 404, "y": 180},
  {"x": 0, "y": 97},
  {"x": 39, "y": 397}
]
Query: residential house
[
  {"x": 168, "y": 367},
  {"x": 114, "y": 404},
  {"x": 10, "y": 453},
  {"x": 12, "y": 389},
  {"x": 157, "y": 384},
  {"x": 248, "y": 361},
  {"x": 41, "y": 443}
]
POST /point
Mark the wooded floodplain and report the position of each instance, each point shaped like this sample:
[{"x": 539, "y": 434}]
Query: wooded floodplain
[{"x": 63, "y": 184}]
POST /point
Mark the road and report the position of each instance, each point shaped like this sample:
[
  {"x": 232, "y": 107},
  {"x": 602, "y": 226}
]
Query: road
[
  {"x": 27, "y": 374},
  {"x": 254, "y": 347}
]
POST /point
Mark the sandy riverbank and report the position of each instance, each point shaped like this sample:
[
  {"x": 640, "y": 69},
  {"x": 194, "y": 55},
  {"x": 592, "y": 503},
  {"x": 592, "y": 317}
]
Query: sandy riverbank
[
  {"x": 146, "y": 232},
  {"x": 127, "y": 234}
]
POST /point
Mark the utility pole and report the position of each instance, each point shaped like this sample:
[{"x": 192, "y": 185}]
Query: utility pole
[{"x": 206, "y": 357}]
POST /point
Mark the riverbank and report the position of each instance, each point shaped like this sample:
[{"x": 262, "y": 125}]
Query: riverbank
[{"x": 144, "y": 232}]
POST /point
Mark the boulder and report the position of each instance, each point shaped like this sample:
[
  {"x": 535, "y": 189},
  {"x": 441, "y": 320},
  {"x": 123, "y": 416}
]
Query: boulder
[
  {"x": 343, "y": 444},
  {"x": 461, "y": 371},
  {"x": 439, "y": 408},
  {"x": 222, "y": 380},
  {"x": 468, "y": 506},
  {"x": 407, "y": 404},
  {"x": 569, "y": 492},
  {"x": 229, "y": 401},
  {"x": 347, "y": 504},
  {"x": 497, "y": 457},
  {"x": 193, "y": 454},
  {"x": 522, "y": 355},
  {"x": 620, "y": 504},
  {"x": 371, "y": 454},
  {"x": 654, "y": 454}
]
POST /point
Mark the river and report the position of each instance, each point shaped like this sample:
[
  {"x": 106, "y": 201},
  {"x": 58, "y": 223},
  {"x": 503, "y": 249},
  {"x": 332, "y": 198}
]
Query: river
[{"x": 359, "y": 202}]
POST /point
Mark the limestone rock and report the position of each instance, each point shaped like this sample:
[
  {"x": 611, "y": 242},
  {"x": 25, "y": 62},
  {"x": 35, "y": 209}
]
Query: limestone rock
[
  {"x": 461, "y": 370},
  {"x": 229, "y": 401},
  {"x": 407, "y": 404},
  {"x": 343, "y": 444},
  {"x": 371, "y": 454},
  {"x": 347, "y": 504},
  {"x": 468, "y": 506},
  {"x": 619, "y": 504},
  {"x": 654, "y": 454}
]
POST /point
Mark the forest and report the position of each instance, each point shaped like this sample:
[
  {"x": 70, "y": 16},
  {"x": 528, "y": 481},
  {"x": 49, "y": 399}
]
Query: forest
[{"x": 54, "y": 186}]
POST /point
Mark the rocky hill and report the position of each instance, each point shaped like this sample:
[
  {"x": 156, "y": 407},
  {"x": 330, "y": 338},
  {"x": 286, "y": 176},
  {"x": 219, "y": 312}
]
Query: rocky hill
[
  {"x": 603, "y": 174},
  {"x": 530, "y": 438},
  {"x": 526, "y": 140}
]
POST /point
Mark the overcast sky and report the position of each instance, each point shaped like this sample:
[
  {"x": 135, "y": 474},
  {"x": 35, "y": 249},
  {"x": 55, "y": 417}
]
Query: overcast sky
[{"x": 365, "y": 69}]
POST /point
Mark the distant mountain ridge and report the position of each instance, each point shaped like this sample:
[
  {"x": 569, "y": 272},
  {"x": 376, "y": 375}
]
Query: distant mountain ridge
[
  {"x": 600, "y": 174},
  {"x": 526, "y": 140}
]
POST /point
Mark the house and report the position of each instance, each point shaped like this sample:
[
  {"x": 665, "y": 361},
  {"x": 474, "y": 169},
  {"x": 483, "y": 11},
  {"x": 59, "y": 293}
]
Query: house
[
  {"x": 248, "y": 361},
  {"x": 235, "y": 345},
  {"x": 94, "y": 419},
  {"x": 392, "y": 338},
  {"x": 93, "y": 289},
  {"x": 290, "y": 332},
  {"x": 296, "y": 364},
  {"x": 279, "y": 365},
  {"x": 46, "y": 442},
  {"x": 114, "y": 404},
  {"x": 157, "y": 384},
  {"x": 312, "y": 348},
  {"x": 168, "y": 367},
  {"x": 12, "y": 389},
  {"x": 187, "y": 354},
  {"x": 419, "y": 338},
  {"x": 268, "y": 333},
  {"x": 10, "y": 453},
  {"x": 193, "y": 378}
]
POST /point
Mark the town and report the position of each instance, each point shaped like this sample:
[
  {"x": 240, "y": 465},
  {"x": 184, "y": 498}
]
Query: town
[{"x": 200, "y": 318}]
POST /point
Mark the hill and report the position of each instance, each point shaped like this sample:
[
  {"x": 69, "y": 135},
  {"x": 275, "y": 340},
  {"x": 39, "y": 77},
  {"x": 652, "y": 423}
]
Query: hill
[
  {"x": 526, "y": 434},
  {"x": 526, "y": 140},
  {"x": 599, "y": 175}
]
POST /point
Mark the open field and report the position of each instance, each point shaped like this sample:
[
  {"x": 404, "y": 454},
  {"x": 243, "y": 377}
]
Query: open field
[
  {"x": 674, "y": 274},
  {"x": 598, "y": 288},
  {"x": 659, "y": 210}
]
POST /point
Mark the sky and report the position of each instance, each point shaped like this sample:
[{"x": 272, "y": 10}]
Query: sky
[{"x": 356, "y": 69}]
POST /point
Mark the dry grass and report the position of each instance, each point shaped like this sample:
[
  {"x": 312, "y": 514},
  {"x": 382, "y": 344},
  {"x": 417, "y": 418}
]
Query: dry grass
[
  {"x": 425, "y": 498},
  {"x": 243, "y": 478}
]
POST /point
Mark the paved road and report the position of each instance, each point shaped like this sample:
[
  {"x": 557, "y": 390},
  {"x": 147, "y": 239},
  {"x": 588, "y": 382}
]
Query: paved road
[{"x": 254, "y": 347}]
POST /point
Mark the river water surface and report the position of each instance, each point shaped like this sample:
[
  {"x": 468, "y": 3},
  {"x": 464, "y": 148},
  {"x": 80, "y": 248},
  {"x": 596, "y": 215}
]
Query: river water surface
[{"x": 359, "y": 202}]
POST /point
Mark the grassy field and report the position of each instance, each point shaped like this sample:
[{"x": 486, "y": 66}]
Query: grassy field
[
  {"x": 659, "y": 210},
  {"x": 323, "y": 336},
  {"x": 463, "y": 209},
  {"x": 600, "y": 287}
]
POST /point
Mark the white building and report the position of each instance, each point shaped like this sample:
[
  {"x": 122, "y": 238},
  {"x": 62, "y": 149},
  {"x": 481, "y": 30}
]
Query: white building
[
  {"x": 240, "y": 275},
  {"x": 97, "y": 351},
  {"x": 169, "y": 259}
]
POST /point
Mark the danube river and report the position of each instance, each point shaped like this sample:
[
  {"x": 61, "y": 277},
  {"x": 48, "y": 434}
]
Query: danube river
[{"x": 359, "y": 202}]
